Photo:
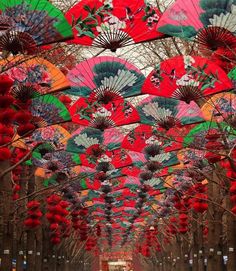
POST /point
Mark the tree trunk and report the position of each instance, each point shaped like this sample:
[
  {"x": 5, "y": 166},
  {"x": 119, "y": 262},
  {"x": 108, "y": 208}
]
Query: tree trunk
[
  {"x": 6, "y": 205},
  {"x": 39, "y": 250},
  {"x": 178, "y": 253},
  {"x": 45, "y": 255},
  {"x": 184, "y": 261},
  {"x": 231, "y": 239},
  {"x": 215, "y": 255},
  {"x": 201, "y": 252},
  {"x": 195, "y": 247},
  {"x": 31, "y": 241},
  {"x": 20, "y": 255},
  {"x": 20, "y": 233},
  {"x": 30, "y": 251}
]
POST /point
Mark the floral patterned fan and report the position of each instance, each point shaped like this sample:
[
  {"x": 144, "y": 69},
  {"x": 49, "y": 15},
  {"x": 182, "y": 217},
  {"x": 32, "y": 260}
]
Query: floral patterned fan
[
  {"x": 33, "y": 77},
  {"x": 197, "y": 137},
  {"x": 88, "y": 112},
  {"x": 232, "y": 76},
  {"x": 167, "y": 113},
  {"x": 186, "y": 78},
  {"x": 47, "y": 110},
  {"x": 112, "y": 159},
  {"x": 126, "y": 182},
  {"x": 210, "y": 23},
  {"x": 56, "y": 176},
  {"x": 221, "y": 107},
  {"x": 191, "y": 158},
  {"x": 26, "y": 24},
  {"x": 113, "y": 24},
  {"x": 145, "y": 135},
  {"x": 105, "y": 79},
  {"x": 55, "y": 134},
  {"x": 47, "y": 157},
  {"x": 94, "y": 141},
  {"x": 153, "y": 161}
]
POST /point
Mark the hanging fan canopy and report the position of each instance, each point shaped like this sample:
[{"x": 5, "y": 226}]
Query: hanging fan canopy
[
  {"x": 102, "y": 116},
  {"x": 221, "y": 107},
  {"x": 48, "y": 110},
  {"x": 33, "y": 77},
  {"x": 167, "y": 113},
  {"x": 210, "y": 23},
  {"x": 186, "y": 78},
  {"x": 105, "y": 79},
  {"x": 26, "y": 24},
  {"x": 113, "y": 24}
]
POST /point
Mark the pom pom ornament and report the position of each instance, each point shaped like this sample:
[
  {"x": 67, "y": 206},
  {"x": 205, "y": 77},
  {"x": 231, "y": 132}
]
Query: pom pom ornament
[
  {"x": 5, "y": 84},
  {"x": 6, "y": 101},
  {"x": 5, "y": 154},
  {"x": 33, "y": 215},
  {"x": 25, "y": 129},
  {"x": 7, "y": 116}
]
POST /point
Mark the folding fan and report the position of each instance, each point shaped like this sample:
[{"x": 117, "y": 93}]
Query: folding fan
[
  {"x": 210, "y": 23},
  {"x": 105, "y": 79},
  {"x": 113, "y": 24},
  {"x": 114, "y": 159},
  {"x": 197, "y": 139},
  {"x": 47, "y": 110},
  {"x": 126, "y": 182},
  {"x": 33, "y": 77},
  {"x": 88, "y": 112},
  {"x": 152, "y": 160},
  {"x": 144, "y": 135},
  {"x": 94, "y": 141},
  {"x": 54, "y": 134},
  {"x": 56, "y": 176},
  {"x": 179, "y": 182},
  {"x": 26, "y": 24},
  {"x": 232, "y": 74},
  {"x": 167, "y": 113},
  {"x": 187, "y": 78},
  {"x": 221, "y": 107},
  {"x": 47, "y": 157}
]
